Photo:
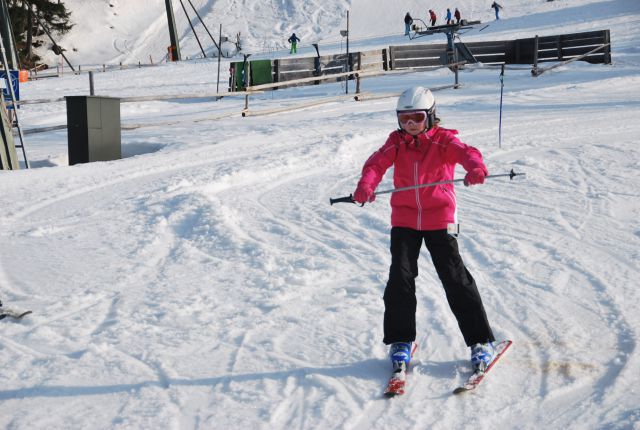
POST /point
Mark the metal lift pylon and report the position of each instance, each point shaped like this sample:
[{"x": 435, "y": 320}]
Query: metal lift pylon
[{"x": 14, "y": 103}]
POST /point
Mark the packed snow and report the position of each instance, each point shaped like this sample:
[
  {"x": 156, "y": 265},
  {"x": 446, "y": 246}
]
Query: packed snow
[{"x": 204, "y": 281}]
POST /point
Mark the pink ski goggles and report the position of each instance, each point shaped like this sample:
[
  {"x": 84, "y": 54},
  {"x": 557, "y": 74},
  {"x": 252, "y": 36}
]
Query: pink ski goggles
[{"x": 415, "y": 116}]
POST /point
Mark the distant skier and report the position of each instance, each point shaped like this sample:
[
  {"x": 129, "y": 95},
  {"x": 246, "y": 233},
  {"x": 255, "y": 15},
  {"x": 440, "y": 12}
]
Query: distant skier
[
  {"x": 448, "y": 17},
  {"x": 497, "y": 8},
  {"x": 433, "y": 17},
  {"x": 457, "y": 16},
  {"x": 423, "y": 153},
  {"x": 407, "y": 23},
  {"x": 293, "y": 40}
]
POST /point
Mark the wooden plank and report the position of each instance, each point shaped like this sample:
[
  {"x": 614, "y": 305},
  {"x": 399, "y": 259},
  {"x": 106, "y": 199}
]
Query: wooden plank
[
  {"x": 372, "y": 54},
  {"x": 378, "y": 63},
  {"x": 291, "y": 76},
  {"x": 492, "y": 59},
  {"x": 372, "y": 67},
  {"x": 296, "y": 67},
  {"x": 584, "y": 35},
  {"x": 392, "y": 58},
  {"x": 592, "y": 41},
  {"x": 421, "y": 57},
  {"x": 486, "y": 50},
  {"x": 497, "y": 45},
  {"x": 551, "y": 44},
  {"x": 333, "y": 58},
  {"x": 400, "y": 48},
  {"x": 431, "y": 51},
  {"x": 418, "y": 47},
  {"x": 574, "y": 52},
  {"x": 335, "y": 64},
  {"x": 596, "y": 58},
  {"x": 417, "y": 62},
  {"x": 403, "y": 50},
  {"x": 284, "y": 62},
  {"x": 544, "y": 55},
  {"x": 371, "y": 59}
]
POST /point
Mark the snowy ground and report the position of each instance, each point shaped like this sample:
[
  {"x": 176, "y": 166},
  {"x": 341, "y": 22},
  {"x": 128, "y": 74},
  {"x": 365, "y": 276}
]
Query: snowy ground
[{"x": 204, "y": 281}]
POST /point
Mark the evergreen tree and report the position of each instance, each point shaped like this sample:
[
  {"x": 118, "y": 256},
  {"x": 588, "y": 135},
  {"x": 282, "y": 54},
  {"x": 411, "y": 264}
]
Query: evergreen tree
[{"x": 26, "y": 19}]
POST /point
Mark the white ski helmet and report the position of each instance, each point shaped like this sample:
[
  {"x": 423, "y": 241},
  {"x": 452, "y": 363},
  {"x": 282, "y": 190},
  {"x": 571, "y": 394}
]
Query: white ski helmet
[{"x": 418, "y": 98}]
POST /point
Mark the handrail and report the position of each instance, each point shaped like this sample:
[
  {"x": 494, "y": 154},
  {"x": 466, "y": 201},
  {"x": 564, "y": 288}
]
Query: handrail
[
  {"x": 150, "y": 98},
  {"x": 300, "y": 81},
  {"x": 357, "y": 73}
]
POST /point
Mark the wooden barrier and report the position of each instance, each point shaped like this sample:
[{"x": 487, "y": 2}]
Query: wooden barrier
[
  {"x": 417, "y": 56},
  {"x": 429, "y": 55},
  {"x": 561, "y": 48}
]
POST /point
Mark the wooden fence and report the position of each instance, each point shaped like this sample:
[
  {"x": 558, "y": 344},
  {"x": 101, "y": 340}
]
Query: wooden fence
[
  {"x": 421, "y": 56},
  {"x": 293, "y": 69}
]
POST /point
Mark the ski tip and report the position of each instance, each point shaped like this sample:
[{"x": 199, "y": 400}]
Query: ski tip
[
  {"x": 460, "y": 390},
  {"x": 14, "y": 315},
  {"x": 392, "y": 394}
]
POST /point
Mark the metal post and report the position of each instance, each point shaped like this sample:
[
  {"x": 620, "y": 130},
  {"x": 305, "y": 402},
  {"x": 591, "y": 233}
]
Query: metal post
[
  {"x": 456, "y": 68},
  {"x": 500, "y": 120},
  {"x": 219, "y": 55},
  {"x": 348, "y": 62},
  {"x": 173, "y": 35},
  {"x": 7, "y": 35},
  {"x": 317, "y": 68},
  {"x": 534, "y": 72},
  {"x": 57, "y": 49},
  {"x": 205, "y": 27},
  {"x": 193, "y": 29},
  {"x": 14, "y": 101},
  {"x": 91, "y": 87}
]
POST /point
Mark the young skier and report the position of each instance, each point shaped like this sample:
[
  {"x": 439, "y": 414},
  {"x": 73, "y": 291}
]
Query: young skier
[
  {"x": 422, "y": 152},
  {"x": 457, "y": 16},
  {"x": 433, "y": 17},
  {"x": 407, "y": 23},
  {"x": 293, "y": 40},
  {"x": 448, "y": 17},
  {"x": 497, "y": 8}
]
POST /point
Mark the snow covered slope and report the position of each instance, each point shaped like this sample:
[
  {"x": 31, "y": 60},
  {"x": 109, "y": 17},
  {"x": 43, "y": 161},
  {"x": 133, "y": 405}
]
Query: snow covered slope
[
  {"x": 133, "y": 31},
  {"x": 204, "y": 281}
]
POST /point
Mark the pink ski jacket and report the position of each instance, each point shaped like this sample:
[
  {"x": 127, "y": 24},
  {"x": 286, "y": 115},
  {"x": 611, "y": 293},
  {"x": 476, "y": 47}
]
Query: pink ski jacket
[{"x": 428, "y": 157}]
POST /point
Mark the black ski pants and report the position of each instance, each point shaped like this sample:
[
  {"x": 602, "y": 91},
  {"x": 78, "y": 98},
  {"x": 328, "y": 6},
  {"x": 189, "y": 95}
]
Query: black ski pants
[{"x": 459, "y": 286}]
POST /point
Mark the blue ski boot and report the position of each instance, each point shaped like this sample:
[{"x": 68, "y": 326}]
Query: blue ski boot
[
  {"x": 400, "y": 355},
  {"x": 482, "y": 356}
]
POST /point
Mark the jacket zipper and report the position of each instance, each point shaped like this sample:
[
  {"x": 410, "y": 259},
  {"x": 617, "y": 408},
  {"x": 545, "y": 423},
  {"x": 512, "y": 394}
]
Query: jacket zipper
[{"x": 415, "y": 181}]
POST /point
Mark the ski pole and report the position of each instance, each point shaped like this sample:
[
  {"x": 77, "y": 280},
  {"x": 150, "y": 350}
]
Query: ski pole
[
  {"x": 349, "y": 198},
  {"x": 500, "y": 120}
]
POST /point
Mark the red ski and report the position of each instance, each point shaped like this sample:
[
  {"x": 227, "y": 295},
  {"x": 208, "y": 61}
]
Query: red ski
[
  {"x": 477, "y": 377},
  {"x": 398, "y": 381},
  {"x": 11, "y": 313}
]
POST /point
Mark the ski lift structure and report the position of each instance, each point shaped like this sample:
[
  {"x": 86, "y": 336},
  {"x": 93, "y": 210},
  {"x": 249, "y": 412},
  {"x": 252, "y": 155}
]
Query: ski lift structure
[{"x": 456, "y": 51}]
